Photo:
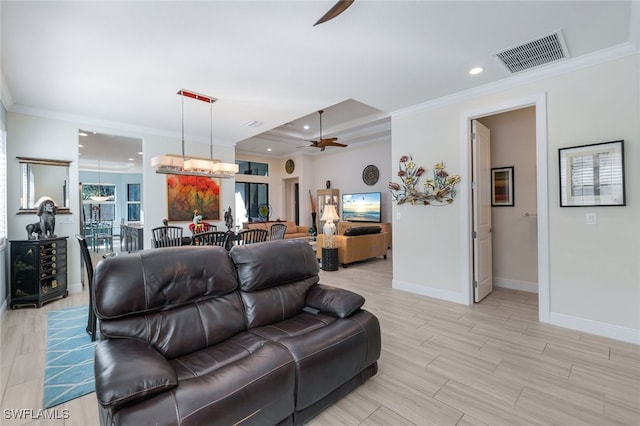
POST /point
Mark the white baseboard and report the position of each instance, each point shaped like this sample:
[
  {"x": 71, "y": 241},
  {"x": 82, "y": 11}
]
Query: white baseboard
[
  {"x": 3, "y": 308},
  {"x": 74, "y": 288},
  {"x": 436, "y": 293},
  {"x": 610, "y": 331},
  {"x": 528, "y": 286}
]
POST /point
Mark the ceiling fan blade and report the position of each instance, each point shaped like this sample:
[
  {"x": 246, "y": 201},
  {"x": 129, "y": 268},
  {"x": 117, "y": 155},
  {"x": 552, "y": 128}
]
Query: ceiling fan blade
[
  {"x": 335, "y": 144},
  {"x": 336, "y": 10},
  {"x": 312, "y": 144}
]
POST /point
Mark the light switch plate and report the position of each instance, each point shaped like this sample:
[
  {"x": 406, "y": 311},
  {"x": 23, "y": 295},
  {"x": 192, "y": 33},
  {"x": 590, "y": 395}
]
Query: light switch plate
[{"x": 591, "y": 218}]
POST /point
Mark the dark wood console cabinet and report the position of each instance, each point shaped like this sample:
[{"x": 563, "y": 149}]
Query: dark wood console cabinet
[{"x": 38, "y": 271}]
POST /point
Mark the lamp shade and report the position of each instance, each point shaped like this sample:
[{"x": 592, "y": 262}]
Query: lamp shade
[{"x": 329, "y": 214}]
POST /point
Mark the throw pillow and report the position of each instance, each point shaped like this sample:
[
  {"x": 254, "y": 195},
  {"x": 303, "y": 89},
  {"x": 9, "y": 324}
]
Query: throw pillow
[{"x": 362, "y": 230}]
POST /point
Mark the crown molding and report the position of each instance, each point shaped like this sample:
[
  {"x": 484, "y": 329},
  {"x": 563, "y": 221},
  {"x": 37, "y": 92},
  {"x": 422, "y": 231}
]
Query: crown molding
[
  {"x": 570, "y": 65},
  {"x": 123, "y": 129}
]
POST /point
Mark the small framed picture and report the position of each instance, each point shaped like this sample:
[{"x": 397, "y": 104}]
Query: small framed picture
[
  {"x": 502, "y": 186},
  {"x": 592, "y": 175}
]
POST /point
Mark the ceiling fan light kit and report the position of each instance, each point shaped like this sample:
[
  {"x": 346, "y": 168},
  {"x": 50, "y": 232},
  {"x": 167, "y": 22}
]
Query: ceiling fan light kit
[{"x": 194, "y": 166}]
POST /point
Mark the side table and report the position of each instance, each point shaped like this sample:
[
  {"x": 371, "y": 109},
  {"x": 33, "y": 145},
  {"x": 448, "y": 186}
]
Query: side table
[{"x": 329, "y": 259}]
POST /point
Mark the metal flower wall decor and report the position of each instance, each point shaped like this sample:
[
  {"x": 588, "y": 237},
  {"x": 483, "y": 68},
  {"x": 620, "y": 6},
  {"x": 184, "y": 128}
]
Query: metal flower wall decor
[{"x": 439, "y": 191}]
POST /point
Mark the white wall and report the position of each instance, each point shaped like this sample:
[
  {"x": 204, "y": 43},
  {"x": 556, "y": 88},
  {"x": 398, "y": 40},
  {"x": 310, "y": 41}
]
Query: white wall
[
  {"x": 37, "y": 137},
  {"x": 343, "y": 167},
  {"x": 594, "y": 270}
]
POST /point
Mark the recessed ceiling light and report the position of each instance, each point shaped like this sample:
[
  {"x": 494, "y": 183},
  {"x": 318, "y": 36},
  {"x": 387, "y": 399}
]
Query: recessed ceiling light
[
  {"x": 131, "y": 159},
  {"x": 82, "y": 134},
  {"x": 140, "y": 152},
  {"x": 476, "y": 70},
  {"x": 306, "y": 127},
  {"x": 80, "y": 145}
]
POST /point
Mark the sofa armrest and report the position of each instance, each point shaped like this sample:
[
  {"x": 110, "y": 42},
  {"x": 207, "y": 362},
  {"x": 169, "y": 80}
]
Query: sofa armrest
[
  {"x": 126, "y": 370},
  {"x": 334, "y": 301}
]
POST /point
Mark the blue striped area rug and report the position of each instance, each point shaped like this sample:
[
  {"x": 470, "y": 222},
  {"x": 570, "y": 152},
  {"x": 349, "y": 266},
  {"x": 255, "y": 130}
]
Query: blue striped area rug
[{"x": 68, "y": 372}]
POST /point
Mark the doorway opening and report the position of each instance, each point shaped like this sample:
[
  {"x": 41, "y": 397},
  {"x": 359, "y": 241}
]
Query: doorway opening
[
  {"x": 539, "y": 216},
  {"x": 505, "y": 242},
  {"x": 291, "y": 197},
  {"x": 110, "y": 192}
]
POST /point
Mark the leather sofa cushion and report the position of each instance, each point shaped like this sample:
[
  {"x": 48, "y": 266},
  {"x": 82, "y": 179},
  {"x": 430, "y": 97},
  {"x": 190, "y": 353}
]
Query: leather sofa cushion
[
  {"x": 178, "y": 299},
  {"x": 326, "y": 350},
  {"x": 161, "y": 279},
  {"x": 275, "y": 304},
  {"x": 261, "y": 266},
  {"x": 334, "y": 301},
  {"x": 141, "y": 372},
  {"x": 272, "y": 289},
  {"x": 245, "y": 380},
  {"x": 362, "y": 230},
  {"x": 184, "y": 329}
]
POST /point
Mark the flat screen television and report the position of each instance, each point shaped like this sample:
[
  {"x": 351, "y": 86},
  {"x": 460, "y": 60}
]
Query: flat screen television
[{"x": 361, "y": 207}]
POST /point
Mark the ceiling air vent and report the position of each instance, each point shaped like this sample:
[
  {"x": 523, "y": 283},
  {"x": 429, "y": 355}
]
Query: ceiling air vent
[{"x": 545, "y": 50}]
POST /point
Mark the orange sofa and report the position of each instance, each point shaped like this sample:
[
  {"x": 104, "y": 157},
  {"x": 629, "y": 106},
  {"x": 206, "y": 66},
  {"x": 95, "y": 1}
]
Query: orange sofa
[
  {"x": 293, "y": 230},
  {"x": 355, "y": 248}
]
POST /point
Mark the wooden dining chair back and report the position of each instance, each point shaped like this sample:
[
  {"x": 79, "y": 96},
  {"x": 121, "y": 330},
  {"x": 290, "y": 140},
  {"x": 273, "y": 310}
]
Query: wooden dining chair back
[
  {"x": 211, "y": 238},
  {"x": 167, "y": 236},
  {"x": 208, "y": 227},
  {"x": 277, "y": 231},
  {"x": 88, "y": 263},
  {"x": 251, "y": 236}
]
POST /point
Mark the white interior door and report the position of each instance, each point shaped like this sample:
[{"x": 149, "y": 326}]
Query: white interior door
[{"x": 482, "y": 262}]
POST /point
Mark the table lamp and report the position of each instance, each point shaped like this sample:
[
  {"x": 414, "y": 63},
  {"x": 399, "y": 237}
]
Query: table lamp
[{"x": 329, "y": 215}]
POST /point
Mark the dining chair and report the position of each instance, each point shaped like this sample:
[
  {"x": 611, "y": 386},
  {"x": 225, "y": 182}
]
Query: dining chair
[
  {"x": 167, "y": 236},
  {"x": 251, "y": 236},
  {"x": 277, "y": 231},
  {"x": 89, "y": 234},
  {"x": 104, "y": 235},
  {"x": 92, "y": 320},
  {"x": 211, "y": 238}
]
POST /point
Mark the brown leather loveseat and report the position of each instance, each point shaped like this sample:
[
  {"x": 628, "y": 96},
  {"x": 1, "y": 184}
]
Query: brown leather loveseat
[{"x": 197, "y": 335}]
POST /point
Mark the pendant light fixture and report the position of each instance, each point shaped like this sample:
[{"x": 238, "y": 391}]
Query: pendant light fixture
[
  {"x": 182, "y": 165},
  {"x": 98, "y": 195}
]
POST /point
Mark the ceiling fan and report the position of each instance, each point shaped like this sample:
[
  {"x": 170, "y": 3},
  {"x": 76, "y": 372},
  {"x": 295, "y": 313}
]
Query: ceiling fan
[
  {"x": 336, "y": 10},
  {"x": 322, "y": 143}
]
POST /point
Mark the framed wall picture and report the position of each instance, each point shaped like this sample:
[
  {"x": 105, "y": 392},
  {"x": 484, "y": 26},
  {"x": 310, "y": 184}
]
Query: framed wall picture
[
  {"x": 188, "y": 194},
  {"x": 592, "y": 175},
  {"x": 502, "y": 186}
]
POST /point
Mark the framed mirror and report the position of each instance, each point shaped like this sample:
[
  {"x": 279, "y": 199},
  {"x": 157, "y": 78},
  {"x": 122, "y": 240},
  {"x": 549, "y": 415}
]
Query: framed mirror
[{"x": 44, "y": 178}]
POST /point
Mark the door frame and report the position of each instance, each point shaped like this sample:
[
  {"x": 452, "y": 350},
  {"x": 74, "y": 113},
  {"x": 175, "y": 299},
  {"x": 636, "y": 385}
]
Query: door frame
[{"x": 539, "y": 101}]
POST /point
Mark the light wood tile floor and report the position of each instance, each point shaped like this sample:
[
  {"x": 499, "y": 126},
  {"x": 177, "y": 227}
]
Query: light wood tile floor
[{"x": 492, "y": 363}]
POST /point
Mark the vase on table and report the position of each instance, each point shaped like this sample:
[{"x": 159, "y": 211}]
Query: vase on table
[{"x": 312, "y": 228}]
